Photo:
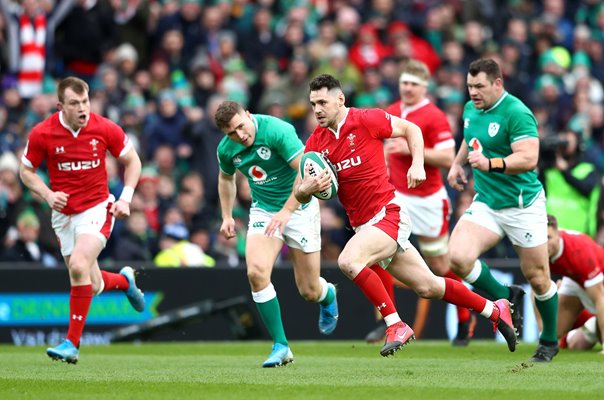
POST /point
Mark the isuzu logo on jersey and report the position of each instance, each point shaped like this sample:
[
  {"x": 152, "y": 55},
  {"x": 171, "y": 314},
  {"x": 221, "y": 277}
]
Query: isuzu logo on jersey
[
  {"x": 348, "y": 163},
  {"x": 78, "y": 165},
  {"x": 493, "y": 129},
  {"x": 257, "y": 173},
  {"x": 264, "y": 152}
]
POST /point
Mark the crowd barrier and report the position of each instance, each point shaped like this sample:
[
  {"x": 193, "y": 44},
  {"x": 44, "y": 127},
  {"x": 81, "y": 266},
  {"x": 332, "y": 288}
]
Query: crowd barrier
[{"x": 210, "y": 304}]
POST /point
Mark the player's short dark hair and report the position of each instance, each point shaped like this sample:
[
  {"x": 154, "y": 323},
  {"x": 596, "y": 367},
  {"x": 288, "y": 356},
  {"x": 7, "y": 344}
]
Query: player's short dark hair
[
  {"x": 486, "y": 65},
  {"x": 324, "y": 81},
  {"x": 225, "y": 113},
  {"x": 552, "y": 221},
  {"x": 71, "y": 82}
]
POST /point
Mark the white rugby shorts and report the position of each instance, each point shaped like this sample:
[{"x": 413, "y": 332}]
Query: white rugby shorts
[
  {"x": 525, "y": 227},
  {"x": 97, "y": 221},
  {"x": 302, "y": 231}
]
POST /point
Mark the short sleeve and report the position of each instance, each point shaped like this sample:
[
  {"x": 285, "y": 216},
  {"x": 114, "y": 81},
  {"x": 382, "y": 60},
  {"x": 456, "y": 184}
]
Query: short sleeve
[
  {"x": 378, "y": 122},
  {"x": 522, "y": 125},
  {"x": 225, "y": 163},
  {"x": 287, "y": 143},
  {"x": 118, "y": 143},
  {"x": 33, "y": 155}
]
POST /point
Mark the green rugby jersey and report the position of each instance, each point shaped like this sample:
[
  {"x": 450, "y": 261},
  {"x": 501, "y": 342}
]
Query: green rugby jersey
[
  {"x": 265, "y": 163},
  {"x": 492, "y": 131}
]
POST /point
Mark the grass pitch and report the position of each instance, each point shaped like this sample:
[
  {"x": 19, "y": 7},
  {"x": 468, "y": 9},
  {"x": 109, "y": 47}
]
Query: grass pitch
[{"x": 347, "y": 370}]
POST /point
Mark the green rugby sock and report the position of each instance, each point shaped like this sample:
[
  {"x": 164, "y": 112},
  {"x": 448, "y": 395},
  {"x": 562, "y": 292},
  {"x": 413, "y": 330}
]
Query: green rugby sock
[
  {"x": 270, "y": 312},
  {"x": 329, "y": 297},
  {"x": 548, "y": 309},
  {"x": 487, "y": 282}
]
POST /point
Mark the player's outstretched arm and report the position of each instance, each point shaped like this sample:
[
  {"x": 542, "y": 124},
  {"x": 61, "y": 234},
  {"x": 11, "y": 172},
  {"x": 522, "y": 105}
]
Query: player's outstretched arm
[
  {"x": 132, "y": 172},
  {"x": 457, "y": 176},
  {"x": 403, "y": 128},
  {"x": 227, "y": 190},
  {"x": 56, "y": 200},
  {"x": 281, "y": 218}
]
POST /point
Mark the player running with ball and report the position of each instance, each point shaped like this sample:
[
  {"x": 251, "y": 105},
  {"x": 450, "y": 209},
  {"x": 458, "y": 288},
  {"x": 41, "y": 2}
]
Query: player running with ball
[{"x": 353, "y": 138}]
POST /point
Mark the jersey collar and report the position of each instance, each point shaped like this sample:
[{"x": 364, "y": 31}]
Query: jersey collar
[
  {"x": 503, "y": 96},
  {"x": 337, "y": 131},
  {"x": 255, "y": 121},
  {"x": 408, "y": 110},
  {"x": 560, "y": 251},
  {"x": 74, "y": 133}
]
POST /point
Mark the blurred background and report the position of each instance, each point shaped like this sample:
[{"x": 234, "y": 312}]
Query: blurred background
[{"x": 160, "y": 68}]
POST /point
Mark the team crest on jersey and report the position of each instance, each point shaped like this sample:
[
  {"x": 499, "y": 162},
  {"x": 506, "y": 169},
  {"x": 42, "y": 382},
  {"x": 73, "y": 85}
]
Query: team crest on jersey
[
  {"x": 475, "y": 145},
  {"x": 237, "y": 160},
  {"x": 264, "y": 152},
  {"x": 93, "y": 143},
  {"x": 466, "y": 122},
  {"x": 325, "y": 152},
  {"x": 257, "y": 173},
  {"x": 351, "y": 143},
  {"x": 493, "y": 129}
]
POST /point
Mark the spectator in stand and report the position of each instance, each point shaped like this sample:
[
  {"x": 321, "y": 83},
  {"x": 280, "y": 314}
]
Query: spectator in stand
[
  {"x": 260, "y": 42},
  {"x": 27, "y": 247},
  {"x": 335, "y": 62},
  {"x": 30, "y": 31},
  {"x": 571, "y": 183},
  {"x": 166, "y": 125},
  {"x": 204, "y": 136},
  {"x": 137, "y": 242},
  {"x": 184, "y": 19},
  {"x": 83, "y": 38},
  {"x": 368, "y": 50},
  {"x": 131, "y": 19},
  {"x": 177, "y": 251}
]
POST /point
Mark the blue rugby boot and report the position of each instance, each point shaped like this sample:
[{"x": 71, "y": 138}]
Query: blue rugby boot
[
  {"x": 280, "y": 356},
  {"x": 65, "y": 352},
  {"x": 134, "y": 294},
  {"x": 328, "y": 315}
]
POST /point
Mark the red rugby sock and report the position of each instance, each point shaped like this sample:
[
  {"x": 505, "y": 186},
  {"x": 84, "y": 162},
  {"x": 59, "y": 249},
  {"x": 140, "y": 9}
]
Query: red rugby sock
[
  {"x": 463, "y": 314},
  {"x": 458, "y": 294},
  {"x": 114, "y": 281},
  {"x": 386, "y": 279},
  {"x": 79, "y": 304},
  {"x": 374, "y": 290}
]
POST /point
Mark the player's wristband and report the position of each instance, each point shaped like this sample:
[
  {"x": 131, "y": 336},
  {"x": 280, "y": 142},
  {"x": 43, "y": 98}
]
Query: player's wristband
[
  {"x": 127, "y": 194},
  {"x": 497, "y": 165}
]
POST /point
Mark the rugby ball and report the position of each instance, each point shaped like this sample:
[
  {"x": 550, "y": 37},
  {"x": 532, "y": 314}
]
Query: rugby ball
[{"x": 317, "y": 163}]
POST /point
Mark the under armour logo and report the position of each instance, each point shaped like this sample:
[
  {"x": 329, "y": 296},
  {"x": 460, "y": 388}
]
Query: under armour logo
[
  {"x": 77, "y": 317},
  {"x": 380, "y": 306},
  {"x": 59, "y": 150}
]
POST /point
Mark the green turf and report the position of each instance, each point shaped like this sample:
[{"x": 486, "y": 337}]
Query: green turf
[{"x": 322, "y": 370}]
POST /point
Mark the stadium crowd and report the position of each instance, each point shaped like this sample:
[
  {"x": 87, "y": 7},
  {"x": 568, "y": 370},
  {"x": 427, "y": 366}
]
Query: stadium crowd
[{"x": 161, "y": 68}]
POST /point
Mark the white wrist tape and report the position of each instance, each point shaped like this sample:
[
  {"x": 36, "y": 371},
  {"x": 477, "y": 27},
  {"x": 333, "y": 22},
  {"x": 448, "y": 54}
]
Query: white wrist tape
[{"x": 127, "y": 194}]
